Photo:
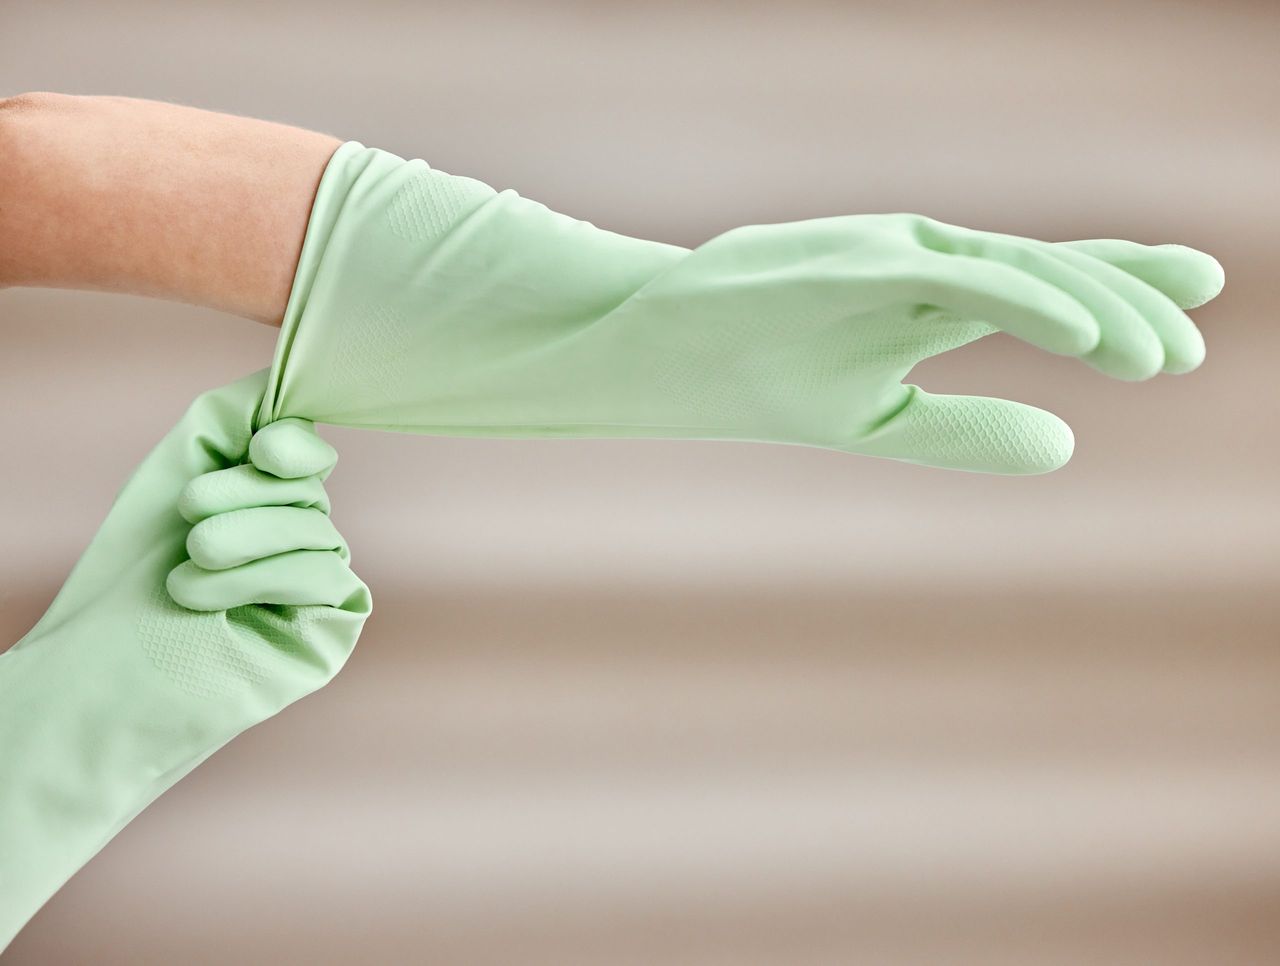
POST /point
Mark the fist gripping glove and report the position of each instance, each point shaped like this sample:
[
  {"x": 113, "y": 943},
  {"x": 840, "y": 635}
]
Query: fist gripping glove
[
  {"x": 119, "y": 691},
  {"x": 430, "y": 303}
]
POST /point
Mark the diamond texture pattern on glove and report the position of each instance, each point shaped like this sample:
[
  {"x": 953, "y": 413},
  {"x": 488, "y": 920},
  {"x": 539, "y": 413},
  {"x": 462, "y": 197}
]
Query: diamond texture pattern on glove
[
  {"x": 369, "y": 357},
  {"x": 430, "y": 202},
  {"x": 983, "y": 431},
  {"x": 200, "y": 652}
]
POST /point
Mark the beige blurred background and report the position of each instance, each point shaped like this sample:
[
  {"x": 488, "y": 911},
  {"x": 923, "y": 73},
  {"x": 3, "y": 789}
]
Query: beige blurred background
[{"x": 710, "y": 703}]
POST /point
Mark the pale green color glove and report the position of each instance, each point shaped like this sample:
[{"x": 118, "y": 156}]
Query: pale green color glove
[
  {"x": 426, "y": 302},
  {"x": 118, "y": 691}
]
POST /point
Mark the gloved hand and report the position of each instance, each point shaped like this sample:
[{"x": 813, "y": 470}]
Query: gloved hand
[
  {"x": 118, "y": 691},
  {"x": 430, "y": 303}
]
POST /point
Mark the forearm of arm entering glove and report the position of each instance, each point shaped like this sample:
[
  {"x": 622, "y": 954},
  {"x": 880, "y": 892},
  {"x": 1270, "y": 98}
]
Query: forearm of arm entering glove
[{"x": 141, "y": 197}]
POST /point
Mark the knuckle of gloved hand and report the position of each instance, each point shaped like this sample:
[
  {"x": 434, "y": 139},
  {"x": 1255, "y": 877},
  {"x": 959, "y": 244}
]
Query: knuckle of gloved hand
[
  {"x": 318, "y": 498},
  {"x": 204, "y": 495},
  {"x": 324, "y": 538},
  {"x": 306, "y": 492}
]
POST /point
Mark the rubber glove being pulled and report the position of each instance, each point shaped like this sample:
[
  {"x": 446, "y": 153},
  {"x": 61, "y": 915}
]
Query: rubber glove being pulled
[
  {"x": 427, "y": 302},
  {"x": 119, "y": 691}
]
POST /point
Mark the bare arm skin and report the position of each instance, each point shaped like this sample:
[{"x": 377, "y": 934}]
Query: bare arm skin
[{"x": 126, "y": 195}]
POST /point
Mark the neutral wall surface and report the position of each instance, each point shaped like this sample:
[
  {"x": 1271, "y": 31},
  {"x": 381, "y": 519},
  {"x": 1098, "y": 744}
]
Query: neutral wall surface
[{"x": 678, "y": 702}]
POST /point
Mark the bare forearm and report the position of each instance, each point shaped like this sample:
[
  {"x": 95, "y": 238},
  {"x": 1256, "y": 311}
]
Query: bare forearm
[{"x": 143, "y": 197}]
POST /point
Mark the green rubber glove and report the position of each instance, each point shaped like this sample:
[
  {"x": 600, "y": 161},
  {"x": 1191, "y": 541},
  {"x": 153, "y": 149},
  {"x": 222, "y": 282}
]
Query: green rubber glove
[
  {"x": 118, "y": 691},
  {"x": 430, "y": 303}
]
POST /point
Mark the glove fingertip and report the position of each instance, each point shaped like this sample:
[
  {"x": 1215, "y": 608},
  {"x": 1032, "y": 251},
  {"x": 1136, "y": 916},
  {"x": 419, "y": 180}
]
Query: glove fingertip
[
  {"x": 1047, "y": 447},
  {"x": 183, "y": 585},
  {"x": 1011, "y": 438},
  {"x": 977, "y": 434},
  {"x": 290, "y": 449},
  {"x": 1188, "y": 276},
  {"x": 1205, "y": 277}
]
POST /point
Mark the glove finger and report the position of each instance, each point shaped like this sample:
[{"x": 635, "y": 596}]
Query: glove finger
[
  {"x": 980, "y": 434},
  {"x": 290, "y": 448},
  {"x": 1127, "y": 348},
  {"x": 231, "y": 539},
  {"x": 297, "y": 578},
  {"x": 1183, "y": 345},
  {"x": 1186, "y": 275},
  {"x": 240, "y": 487},
  {"x": 1009, "y": 298}
]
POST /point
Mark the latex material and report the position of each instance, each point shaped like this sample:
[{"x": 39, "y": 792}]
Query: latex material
[
  {"x": 217, "y": 591},
  {"x": 427, "y": 302},
  {"x": 118, "y": 691}
]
